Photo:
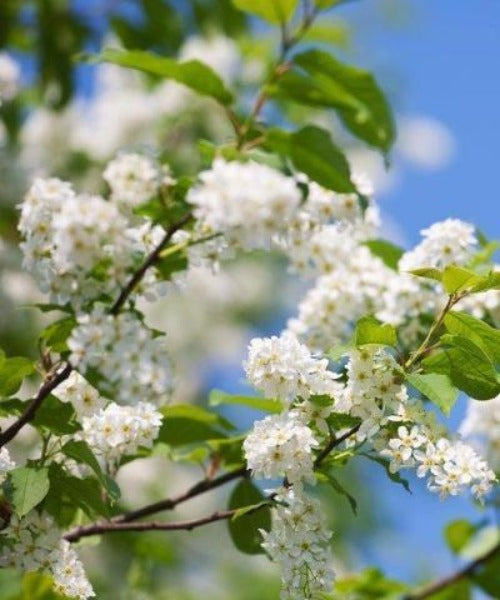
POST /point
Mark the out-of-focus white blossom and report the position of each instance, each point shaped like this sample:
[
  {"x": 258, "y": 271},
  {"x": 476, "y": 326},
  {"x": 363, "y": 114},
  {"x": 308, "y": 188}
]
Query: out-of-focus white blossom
[
  {"x": 218, "y": 52},
  {"x": 10, "y": 76},
  {"x": 482, "y": 425},
  {"x": 6, "y": 464}
]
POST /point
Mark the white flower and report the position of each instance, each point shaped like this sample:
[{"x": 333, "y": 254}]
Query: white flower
[
  {"x": 6, "y": 464},
  {"x": 10, "y": 76},
  {"x": 85, "y": 399},
  {"x": 118, "y": 431},
  {"x": 482, "y": 424},
  {"x": 248, "y": 202},
  {"x": 283, "y": 368},
  {"x": 280, "y": 445},
  {"x": 298, "y": 543},
  {"x": 133, "y": 179},
  {"x": 446, "y": 242}
]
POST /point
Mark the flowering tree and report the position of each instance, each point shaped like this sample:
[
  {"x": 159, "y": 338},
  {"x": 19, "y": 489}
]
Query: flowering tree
[{"x": 383, "y": 340}]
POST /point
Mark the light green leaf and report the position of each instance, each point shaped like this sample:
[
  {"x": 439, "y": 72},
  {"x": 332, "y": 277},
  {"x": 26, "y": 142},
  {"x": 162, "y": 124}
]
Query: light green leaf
[
  {"x": 457, "y": 279},
  {"x": 56, "y": 334},
  {"x": 244, "y": 531},
  {"x": 428, "y": 273},
  {"x": 218, "y": 397},
  {"x": 491, "y": 281},
  {"x": 479, "y": 332},
  {"x": 437, "y": 387},
  {"x": 186, "y": 424},
  {"x": 312, "y": 152},
  {"x": 387, "y": 252},
  {"x": 192, "y": 73},
  {"x": 468, "y": 367},
  {"x": 272, "y": 11},
  {"x": 337, "y": 352},
  {"x": 352, "y": 92},
  {"x": 26, "y": 488},
  {"x": 458, "y": 533},
  {"x": 370, "y": 331},
  {"x": 12, "y": 372}
]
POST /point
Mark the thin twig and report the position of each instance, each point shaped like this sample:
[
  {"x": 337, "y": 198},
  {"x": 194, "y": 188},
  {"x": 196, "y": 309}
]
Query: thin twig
[
  {"x": 333, "y": 443},
  {"x": 449, "y": 580},
  {"x": 113, "y": 527}
]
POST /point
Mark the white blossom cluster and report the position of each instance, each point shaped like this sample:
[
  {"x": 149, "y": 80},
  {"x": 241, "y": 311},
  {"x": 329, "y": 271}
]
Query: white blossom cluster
[
  {"x": 117, "y": 431},
  {"x": 34, "y": 543},
  {"x": 10, "y": 76},
  {"x": 248, "y": 202},
  {"x": 134, "y": 179},
  {"x": 282, "y": 446},
  {"x": 451, "y": 465},
  {"x": 482, "y": 426},
  {"x": 133, "y": 363},
  {"x": 299, "y": 543},
  {"x": 84, "y": 398},
  {"x": 284, "y": 369},
  {"x": 448, "y": 242}
]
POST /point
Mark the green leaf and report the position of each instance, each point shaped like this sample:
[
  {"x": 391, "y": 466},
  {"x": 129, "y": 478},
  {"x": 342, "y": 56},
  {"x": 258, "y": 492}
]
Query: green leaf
[
  {"x": 272, "y": 11},
  {"x": 81, "y": 452},
  {"x": 173, "y": 263},
  {"x": 387, "y": 252},
  {"x": 352, "y": 92},
  {"x": 457, "y": 279},
  {"x": 12, "y": 372},
  {"x": 244, "y": 530},
  {"x": 192, "y": 73},
  {"x": 186, "y": 424},
  {"x": 218, "y": 397},
  {"x": 477, "y": 331},
  {"x": 468, "y": 367},
  {"x": 458, "y": 533},
  {"x": 370, "y": 584},
  {"x": 339, "y": 488},
  {"x": 312, "y": 152},
  {"x": 26, "y": 488},
  {"x": 437, "y": 387},
  {"x": 456, "y": 591},
  {"x": 56, "y": 416},
  {"x": 337, "y": 352},
  {"x": 487, "y": 577},
  {"x": 491, "y": 281},
  {"x": 38, "y": 586},
  {"x": 428, "y": 273},
  {"x": 369, "y": 330},
  {"x": 338, "y": 421},
  {"x": 56, "y": 334},
  {"x": 395, "y": 477}
]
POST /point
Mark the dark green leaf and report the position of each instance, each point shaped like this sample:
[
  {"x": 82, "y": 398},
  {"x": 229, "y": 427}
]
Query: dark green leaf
[
  {"x": 56, "y": 416},
  {"x": 56, "y": 334},
  {"x": 479, "y": 332},
  {"x": 26, "y": 487},
  {"x": 338, "y": 421},
  {"x": 468, "y": 367},
  {"x": 339, "y": 488},
  {"x": 244, "y": 530},
  {"x": 313, "y": 153},
  {"x": 387, "y": 252},
  {"x": 437, "y": 387},
  {"x": 173, "y": 263},
  {"x": 370, "y": 330},
  {"x": 218, "y": 397},
  {"x": 487, "y": 577},
  {"x": 193, "y": 73}
]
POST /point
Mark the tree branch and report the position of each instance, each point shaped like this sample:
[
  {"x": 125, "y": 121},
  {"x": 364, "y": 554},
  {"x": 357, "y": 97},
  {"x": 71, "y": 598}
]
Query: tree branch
[
  {"x": 34, "y": 404},
  {"x": 113, "y": 527},
  {"x": 333, "y": 443},
  {"x": 448, "y": 581}
]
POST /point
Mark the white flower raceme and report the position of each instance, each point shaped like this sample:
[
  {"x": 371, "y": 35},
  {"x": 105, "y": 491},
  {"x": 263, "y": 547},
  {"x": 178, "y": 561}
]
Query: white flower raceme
[
  {"x": 482, "y": 424},
  {"x": 299, "y": 543},
  {"x": 452, "y": 466},
  {"x": 281, "y": 445},
  {"x": 135, "y": 364},
  {"x": 133, "y": 179},
  {"x": 10, "y": 76},
  {"x": 117, "y": 431},
  {"x": 33, "y": 543},
  {"x": 447, "y": 242},
  {"x": 6, "y": 464},
  {"x": 284, "y": 369},
  {"x": 248, "y": 202},
  {"x": 85, "y": 399}
]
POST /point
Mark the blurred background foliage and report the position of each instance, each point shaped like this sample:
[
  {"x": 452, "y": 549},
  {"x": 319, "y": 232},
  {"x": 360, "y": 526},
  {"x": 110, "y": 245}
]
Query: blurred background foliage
[{"x": 67, "y": 120}]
